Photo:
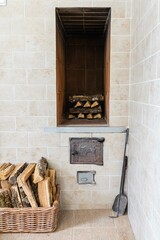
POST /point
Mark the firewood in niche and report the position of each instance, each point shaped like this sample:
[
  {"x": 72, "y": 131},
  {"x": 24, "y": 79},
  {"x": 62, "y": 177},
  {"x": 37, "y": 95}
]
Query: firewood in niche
[
  {"x": 76, "y": 98},
  {"x": 26, "y": 173},
  {"x": 15, "y": 197},
  {"x": 89, "y": 116},
  {"x": 78, "y": 104},
  {"x": 81, "y": 115},
  {"x": 87, "y": 104},
  {"x": 5, "y": 200},
  {"x": 40, "y": 170},
  {"x": 71, "y": 116},
  {"x": 95, "y": 104},
  {"x": 85, "y": 110},
  {"x": 4, "y": 174},
  {"x": 98, "y": 116},
  {"x": 16, "y": 172},
  {"x": 45, "y": 192}
]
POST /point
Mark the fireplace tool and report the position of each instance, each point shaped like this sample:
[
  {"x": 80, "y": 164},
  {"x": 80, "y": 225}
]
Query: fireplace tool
[{"x": 121, "y": 200}]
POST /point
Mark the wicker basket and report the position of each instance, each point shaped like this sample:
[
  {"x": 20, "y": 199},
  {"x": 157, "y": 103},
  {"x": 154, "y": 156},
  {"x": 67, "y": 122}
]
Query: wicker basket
[{"x": 29, "y": 219}]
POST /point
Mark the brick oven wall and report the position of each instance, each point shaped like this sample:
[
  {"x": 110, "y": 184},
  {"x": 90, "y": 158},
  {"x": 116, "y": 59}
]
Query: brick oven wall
[{"x": 28, "y": 97}]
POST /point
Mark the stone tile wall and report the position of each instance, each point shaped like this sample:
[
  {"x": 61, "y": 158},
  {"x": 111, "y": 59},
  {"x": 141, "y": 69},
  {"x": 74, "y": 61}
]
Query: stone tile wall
[
  {"x": 144, "y": 121},
  {"x": 28, "y": 96}
]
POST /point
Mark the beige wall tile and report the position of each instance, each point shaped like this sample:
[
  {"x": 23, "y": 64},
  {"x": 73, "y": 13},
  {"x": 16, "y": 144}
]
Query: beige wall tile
[
  {"x": 5, "y": 25},
  {"x": 10, "y": 108},
  {"x": 120, "y": 43},
  {"x": 119, "y": 92},
  {"x": 51, "y": 92},
  {"x": 43, "y": 140},
  {"x": 14, "y": 139},
  {"x": 120, "y": 60},
  {"x": 12, "y": 76},
  {"x": 119, "y": 108},
  {"x": 120, "y": 26},
  {"x": 5, "y": 60},
  {"x": 17, "y": 8},
  {"x": 34, "y": 25},
  {"x": 31, "y": 154},
  {"x": 41, "y": 76},
  {"x": 7, "y": 154},
  {"x": 120, "y": 76},
  {"x": 7, "y": 123},
  {"x": 42, "y": 108},
  {"x": 31, "y": 123},
  {"x": 30, "y": 92},
  {"x": 7, "y": 93},
  {"x": 34, "y": 9}
]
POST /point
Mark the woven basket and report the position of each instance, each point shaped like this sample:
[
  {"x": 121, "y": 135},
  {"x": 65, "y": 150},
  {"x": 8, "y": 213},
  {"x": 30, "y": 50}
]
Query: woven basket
[{"x": 30, "y": 219}]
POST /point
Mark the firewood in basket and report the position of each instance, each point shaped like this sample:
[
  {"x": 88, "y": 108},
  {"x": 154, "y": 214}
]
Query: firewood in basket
[
  {"x": 87, "y": 104},
  {"x": 78, "y": 104},
  {"x": 24, "y": 198},
  {"x": 40, "y": 170},
  {"x": 15, "y": 197},
  {"x": 81, "y": 116},
  {"x": 26, "y": 173},
  {"x": 52, "y": 174},
  {"x": 4, "y": 174},
  {"x": 5, "y": 184},
  {"x": 89, "y": 116},
  {"x": 95, "y": 104},
  {"x": 45, "y": 192},
  {"x": 98, "y": 116},
  {"x": 5, "y": 200},
  {"x": 34, "y": 187},
  {"x": 24, "y": 184},
  {"x": 4, "y": 166},
  {"x": 71, "y": 116},
  {"x": 85, "y": 110},
  {"x": 17, "y": 171}
]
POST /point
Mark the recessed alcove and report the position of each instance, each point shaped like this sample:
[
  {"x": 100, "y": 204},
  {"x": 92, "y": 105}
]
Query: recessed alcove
[{"x": 82, "y": 61}]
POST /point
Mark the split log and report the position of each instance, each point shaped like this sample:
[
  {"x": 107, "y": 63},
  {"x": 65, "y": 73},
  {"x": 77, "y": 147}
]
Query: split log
[
  {"x": 5, "y": 200},
  {"x": 95, "y": 104},
  {"x": 85, "y": 98},
  {"x": 87, "y": 104},
  {"x": 4, "y": 166},
  {"x": 25, "y": 186},
  {"x": 4, "y": 174},
  {"x": 40, "y": 170},
  {"x": 81, "y": 115},
  {"x": 22, "y": 178},
  {"x": 34, "y": 187},
  {"x": 52, "y": 174},
  {"x": 71, "y": 116},
  {"x": 5, "y": 184},
  {"x": 24, "y": 198},
  {"x": 89, "y": 116},
  {"x": 78, "y": 104},
  {"x": 17, "y": 171},
  {"x": 85, "y": 110},
  {"x": 98, "y": 116},
  {"x": 15, "y": 197},
  {"x": 45, "y": 192}
]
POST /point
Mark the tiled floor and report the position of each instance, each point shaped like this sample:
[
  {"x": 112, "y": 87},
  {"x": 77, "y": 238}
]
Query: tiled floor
[{"x": 83, "y": 225}]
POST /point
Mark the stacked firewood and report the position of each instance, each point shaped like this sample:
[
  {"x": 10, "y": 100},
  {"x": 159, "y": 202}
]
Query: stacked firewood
[
  {"x": 85, "y": 107},
  {"x": 27, "y": 185}
]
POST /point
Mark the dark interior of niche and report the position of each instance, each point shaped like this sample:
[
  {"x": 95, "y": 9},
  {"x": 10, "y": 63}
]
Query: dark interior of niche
[{"x": 82, "y": 60}]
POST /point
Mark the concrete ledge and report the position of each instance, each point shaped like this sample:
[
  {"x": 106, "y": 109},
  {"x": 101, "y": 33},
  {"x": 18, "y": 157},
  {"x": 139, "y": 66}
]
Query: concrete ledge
[{"x": 120, "y": 129}]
